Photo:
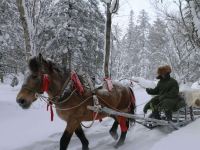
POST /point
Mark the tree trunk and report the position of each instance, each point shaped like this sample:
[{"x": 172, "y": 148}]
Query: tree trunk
[
  {"x": 1, "y": 78},
  {"x": 24, "y": 23},
  {"x": 107, "y": 41}
]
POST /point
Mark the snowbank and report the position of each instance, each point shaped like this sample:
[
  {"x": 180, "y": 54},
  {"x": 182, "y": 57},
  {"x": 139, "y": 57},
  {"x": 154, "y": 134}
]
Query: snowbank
[
  {"x": 196, "y": 85},
  {"x": 186, "y": 138},
  {"x": 32, "y": 130},
  {"x": 20, "y": 127}
]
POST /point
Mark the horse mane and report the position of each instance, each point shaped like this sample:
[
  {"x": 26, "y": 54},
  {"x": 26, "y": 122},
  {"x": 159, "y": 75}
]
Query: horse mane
[{"x": 35, "y": 65}]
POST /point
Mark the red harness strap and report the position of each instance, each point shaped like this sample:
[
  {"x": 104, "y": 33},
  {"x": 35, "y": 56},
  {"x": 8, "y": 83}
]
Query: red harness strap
[
  {"x": 45, "y": 83},
  {"x": 122, "y": 120},
  {"x": 45, "y": 88},
  {"x": 122, "y": 123},
  {"x": 77, "y": 83}
]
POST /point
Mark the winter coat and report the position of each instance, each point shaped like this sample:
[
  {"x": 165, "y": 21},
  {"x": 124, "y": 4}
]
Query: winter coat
[
  {"x": 167, "y": 98},
  {"x": 165, "y": 89}
]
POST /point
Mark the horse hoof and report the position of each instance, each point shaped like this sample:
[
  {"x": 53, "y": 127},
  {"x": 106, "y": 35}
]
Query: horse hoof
[
  {"x": 118, "y": 144},
  {"x": 85, "y": 148},
  {"x": 114, "y": 135}
]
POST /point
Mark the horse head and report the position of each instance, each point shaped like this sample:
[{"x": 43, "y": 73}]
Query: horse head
[{"x": 43, "y": 77}]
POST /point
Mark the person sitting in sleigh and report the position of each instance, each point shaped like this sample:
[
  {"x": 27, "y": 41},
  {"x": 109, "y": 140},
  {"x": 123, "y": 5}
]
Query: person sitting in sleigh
[{"x": 166, "y": 95}]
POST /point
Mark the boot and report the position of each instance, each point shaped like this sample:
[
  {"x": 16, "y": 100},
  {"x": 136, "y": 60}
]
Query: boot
[
  {"x": 155, "y": 115},
  {"x": 168, "y": 115}
]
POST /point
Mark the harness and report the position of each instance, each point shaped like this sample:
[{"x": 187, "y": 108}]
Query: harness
[
  {"x": 77, "y": 87},
  {"x": 77, "y": 90}
]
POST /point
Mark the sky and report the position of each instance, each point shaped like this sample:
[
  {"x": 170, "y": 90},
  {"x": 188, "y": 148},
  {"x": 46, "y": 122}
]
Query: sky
[{"x": 126, "y": 6}]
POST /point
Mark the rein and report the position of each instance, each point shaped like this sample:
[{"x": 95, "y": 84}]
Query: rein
[
  {"x": 77, "y": 87},
  {"x": 50, "y": 101}
]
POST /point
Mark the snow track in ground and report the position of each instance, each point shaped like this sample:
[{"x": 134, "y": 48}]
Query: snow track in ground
[{"x": 32, "y": 130}]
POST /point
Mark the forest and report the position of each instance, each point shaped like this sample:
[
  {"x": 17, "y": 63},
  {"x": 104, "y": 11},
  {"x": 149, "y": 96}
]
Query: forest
[{"x": 71, "y": 33}]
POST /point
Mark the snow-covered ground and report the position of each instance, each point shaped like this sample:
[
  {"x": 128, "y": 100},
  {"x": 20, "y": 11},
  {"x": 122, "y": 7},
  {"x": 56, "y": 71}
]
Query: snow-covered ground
[{"x": 32, "y": 130}]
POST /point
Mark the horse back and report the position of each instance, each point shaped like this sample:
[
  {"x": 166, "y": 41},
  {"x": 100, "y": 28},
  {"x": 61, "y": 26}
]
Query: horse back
[{"x": 119, "y": 97}]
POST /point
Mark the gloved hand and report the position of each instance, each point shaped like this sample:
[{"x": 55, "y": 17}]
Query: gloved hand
[
  {"x": 147, "y": 90},
  {"x": 145, "y": 110},
  {"x": 146, "y": 107}
]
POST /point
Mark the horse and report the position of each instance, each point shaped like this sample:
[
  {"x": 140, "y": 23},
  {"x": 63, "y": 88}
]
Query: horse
[{"x": 74, "y": 110}]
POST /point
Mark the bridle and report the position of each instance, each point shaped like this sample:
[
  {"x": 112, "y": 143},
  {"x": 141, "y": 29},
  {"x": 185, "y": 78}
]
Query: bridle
[
  {"x": 45, "y": 82},
  {"x": 44, "y": 85}
]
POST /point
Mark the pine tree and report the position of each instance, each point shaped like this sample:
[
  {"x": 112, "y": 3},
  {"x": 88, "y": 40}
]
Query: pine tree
[
  {"x": 144, "y": 53},
  {"x": 158, "y": 44},
  {"x": 11, "y": 41}
]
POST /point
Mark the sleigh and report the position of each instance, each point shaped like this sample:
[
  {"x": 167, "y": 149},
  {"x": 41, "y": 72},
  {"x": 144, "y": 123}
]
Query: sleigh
[{"x": 184, "y": 115}]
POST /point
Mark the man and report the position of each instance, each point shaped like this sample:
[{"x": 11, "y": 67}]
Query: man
[{"x": 166, "y": 92}]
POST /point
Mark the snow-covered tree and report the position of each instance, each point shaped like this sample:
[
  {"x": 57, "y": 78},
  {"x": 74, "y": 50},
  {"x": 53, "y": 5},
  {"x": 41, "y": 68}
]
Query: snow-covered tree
[
  {"x": 158, "y": 45},
  {"x": 144, "y": 53},
  {"x": 12, "y": 56},
  {"x": 192, "y": 15},
  {"x": 69, "y": 32}
]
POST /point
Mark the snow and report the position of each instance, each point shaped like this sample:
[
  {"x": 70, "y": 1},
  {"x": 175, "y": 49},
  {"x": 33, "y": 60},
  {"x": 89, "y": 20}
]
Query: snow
[
  {"x": 32, "y": 130},
  {"x": 195, "y": 17},
  {"x": 113, "y": 5},
  {"x": 7, "y": 36},
  {"x": 22, "y": 127},
  {"x": 196, "y": 85},
  {"x": 1, "y": 38},
  {"x": 184, "y": 139},
  {"x": 107, "y": 1}
]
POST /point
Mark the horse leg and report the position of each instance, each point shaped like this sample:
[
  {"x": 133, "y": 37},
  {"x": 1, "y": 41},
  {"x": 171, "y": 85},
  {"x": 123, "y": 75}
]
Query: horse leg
[
  {"x": 66, "y": 137},
  {"x": 124, "y": 125},
  {"x": 80, "y": 133},
  {"x": 113, "y": 130}
]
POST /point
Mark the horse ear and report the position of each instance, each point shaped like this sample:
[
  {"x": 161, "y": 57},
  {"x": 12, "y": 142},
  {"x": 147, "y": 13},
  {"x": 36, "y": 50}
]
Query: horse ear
[
  {"x": 40, "y": 58},
  {"x": 34, "y": 65},
  {"x": 45, "y": 65},
  {"x": 50, "y": 66}
]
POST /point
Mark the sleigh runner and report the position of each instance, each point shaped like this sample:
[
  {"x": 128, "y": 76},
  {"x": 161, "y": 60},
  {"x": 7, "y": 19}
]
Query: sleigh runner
[{"x": 182, "y": 117}]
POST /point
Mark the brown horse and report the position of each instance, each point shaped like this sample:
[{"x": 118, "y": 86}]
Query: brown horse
[{"x": 74, "y": 110}]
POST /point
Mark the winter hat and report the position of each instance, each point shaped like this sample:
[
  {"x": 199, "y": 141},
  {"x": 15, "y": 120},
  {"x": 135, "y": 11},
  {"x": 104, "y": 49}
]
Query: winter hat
[{"x": 163, "y": 70}]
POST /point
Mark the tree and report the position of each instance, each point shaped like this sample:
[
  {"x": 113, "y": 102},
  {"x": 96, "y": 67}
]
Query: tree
[
  {"x": 192, "y": 15},
  {"x": 26, "y": 29},
  {"x": 158, "y": 45},
  {"x": 144, "y": 53},
  {"x": 110, "y": 9},
  {"x": 69, "y": 32},
  {"x": 12, "y": 58},
  {"x": 76, "y": 38}
]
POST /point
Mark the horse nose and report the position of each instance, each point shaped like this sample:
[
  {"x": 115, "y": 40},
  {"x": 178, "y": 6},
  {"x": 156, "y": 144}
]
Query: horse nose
[{"x": 21, "y": 101}]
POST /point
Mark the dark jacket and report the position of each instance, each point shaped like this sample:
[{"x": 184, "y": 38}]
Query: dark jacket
[{"x": 165, "y": 89}]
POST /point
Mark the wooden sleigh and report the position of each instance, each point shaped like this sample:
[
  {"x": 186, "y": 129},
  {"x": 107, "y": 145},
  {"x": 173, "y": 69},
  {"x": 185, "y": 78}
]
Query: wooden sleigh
[{"x": 185, "y": 115}]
